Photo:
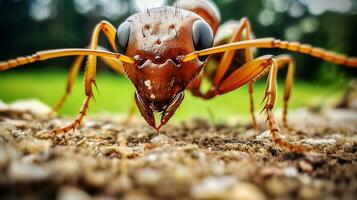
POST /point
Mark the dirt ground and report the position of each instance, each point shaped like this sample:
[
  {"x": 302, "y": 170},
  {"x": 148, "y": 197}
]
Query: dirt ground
[{"x": 194, "y": 159}]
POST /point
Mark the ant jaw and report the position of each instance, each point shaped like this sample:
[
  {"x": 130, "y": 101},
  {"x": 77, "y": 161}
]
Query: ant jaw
[
  {"x": 166, "y": 114},
  {"x": 171, "y": 108},
  {"x": 145, "y": 110},
  {"x": 158, "y": 128}
]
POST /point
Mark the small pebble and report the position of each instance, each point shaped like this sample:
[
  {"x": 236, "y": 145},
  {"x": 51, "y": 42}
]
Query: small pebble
[
  {"x": 264, "y": 135},
  {"x": 319, "y": 141},
  {"x": 148, "y": 176},
  {"x": 160, "y": 139},
  {"x": 22, "y": 171},
  {"x": 64, "y": 170},
  {"x": 4, "y": 157},
  {"x": 35, "y": 146},
  {"x": 36, "y": 107},
  {"x": 309, "y": 193},
  {"x": 290, "y": 172},
  {"x": 213, "y": 187},
  {"x": 246, "y": 191},
  {"x": 182, "y": 173},
  {"x": 305, "y": 166},
  {"x": 72, "y": 193},
  {"x": 281, "y": 186},
  {"x": 121, "y": 183},
  {"x": 91, "y": 124},
  {"x": 96, "y": 178}
]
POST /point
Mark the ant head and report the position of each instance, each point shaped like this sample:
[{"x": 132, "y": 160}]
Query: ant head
[{"x": 157, "y": 39}]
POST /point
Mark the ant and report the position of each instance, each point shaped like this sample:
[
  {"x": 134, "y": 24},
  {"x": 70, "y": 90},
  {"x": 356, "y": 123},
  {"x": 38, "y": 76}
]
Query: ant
[{"x": 164, "y": 51}]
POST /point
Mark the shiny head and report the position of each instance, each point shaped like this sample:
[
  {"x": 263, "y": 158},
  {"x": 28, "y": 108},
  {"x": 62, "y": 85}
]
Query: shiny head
[{"x": 157, "y": 39}]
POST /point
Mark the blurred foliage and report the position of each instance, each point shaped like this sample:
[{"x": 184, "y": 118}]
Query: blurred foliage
[{"x": 31, "y": 25}]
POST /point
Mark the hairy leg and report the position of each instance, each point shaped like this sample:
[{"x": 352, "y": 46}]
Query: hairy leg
[
  {"x": 251, "y": 71},
  {"x": 286, "y": 60},
  {"x": 110, "y": 32},
  {"x": 90, "y": 74},
  {"x": 270, "y": 43},
  {"x": 282, "y": 61},
  {"x": 244, "y": 29},
  {"x": 72, "y": 75},
  {"x": 57, "y": 53},
  {"x": 112, "y": 63}
]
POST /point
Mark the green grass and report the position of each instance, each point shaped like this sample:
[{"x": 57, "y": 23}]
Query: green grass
[{"x": 116, "y": 95}]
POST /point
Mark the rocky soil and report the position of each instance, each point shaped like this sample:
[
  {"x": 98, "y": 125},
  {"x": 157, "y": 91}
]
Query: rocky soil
[{"x": 194, "y": 159}]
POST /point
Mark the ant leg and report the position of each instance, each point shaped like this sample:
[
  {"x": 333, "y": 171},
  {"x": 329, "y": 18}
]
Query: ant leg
[
  {"x": 70, "y": 82},
  {"x": 76, "y": 122},
  {"x": 229, "y": 55},
  {"x": 249, "y": 72},
  {"x": 286, "y": 60},
  {"x": 269, "y": 43},
  {"x": 117, "y": 66},
  {"x": 89, "y": 95},
  {"x": 252, "y": 110},
  {"x": 109, "y": 31},
  {"x": 113, "y": 63},
  {"x": 282, "y": 61},
  {"x": 57, "y": 53},
  {"x": 243, "y": 28},
  {"x": 104, "y": 26},
  {"x": 90, "y": 74}
]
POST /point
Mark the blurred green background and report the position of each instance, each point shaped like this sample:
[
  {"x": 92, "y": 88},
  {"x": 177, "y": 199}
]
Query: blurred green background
[{"x": 27, "y": 26}]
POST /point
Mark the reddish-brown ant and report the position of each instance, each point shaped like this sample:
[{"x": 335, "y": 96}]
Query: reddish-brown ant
[{"x": 163, "y": 51}]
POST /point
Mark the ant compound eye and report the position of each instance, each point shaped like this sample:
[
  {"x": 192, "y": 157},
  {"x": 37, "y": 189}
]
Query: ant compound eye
[
  {"x": 202, "y": 36},
  {"x": 122, "y": 37}
]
